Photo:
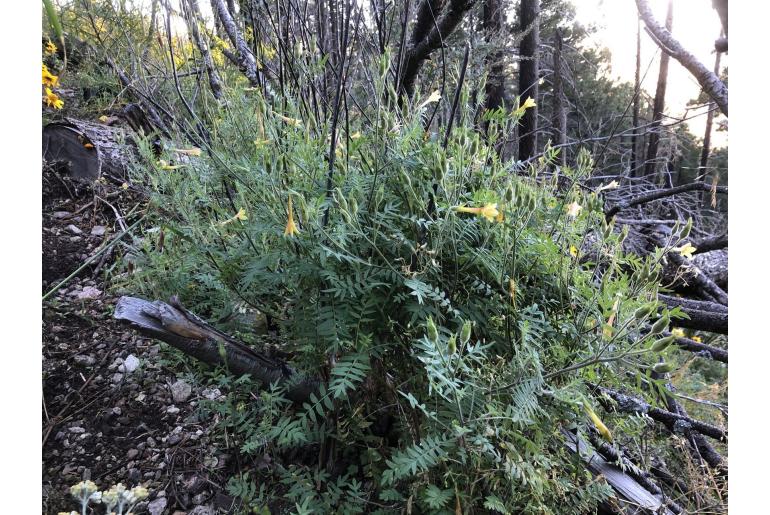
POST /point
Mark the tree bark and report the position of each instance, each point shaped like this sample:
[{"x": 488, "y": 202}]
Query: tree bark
[
  {"x": 435, "y": 33},
  {"x": 246, "y": 58},
  {"x": 529, "y": 75},
  {"x": 637, "y": 93},
  {"x": 193, "y": 19},
  {"x": 494, "y": 88},
  {"x": 559, "y": 101},
  {"x": 703, "y": 315},
  {"x": 706, "y": 150},
  {"x": 660, "y": 102},
  {"x": 88, "y": 150}
]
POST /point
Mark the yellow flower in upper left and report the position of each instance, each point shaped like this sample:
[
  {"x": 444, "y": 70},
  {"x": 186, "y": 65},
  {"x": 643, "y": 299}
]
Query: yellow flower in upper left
[
  {"x": 50, "y": 48},
  {"x": 49, "y": 79},
  {"x": 52, "y": 99}
]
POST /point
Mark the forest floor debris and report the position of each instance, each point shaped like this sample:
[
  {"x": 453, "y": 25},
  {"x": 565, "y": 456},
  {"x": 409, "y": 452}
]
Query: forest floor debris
[{"x": 109, "y": 413}]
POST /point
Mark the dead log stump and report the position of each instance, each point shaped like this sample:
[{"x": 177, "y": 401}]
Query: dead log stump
[{"x": 88, "y": 150}]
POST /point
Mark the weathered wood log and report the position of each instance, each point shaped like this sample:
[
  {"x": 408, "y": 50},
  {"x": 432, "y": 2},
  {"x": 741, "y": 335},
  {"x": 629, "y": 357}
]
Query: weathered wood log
[
  {"x": 704, "y": 316},
  {"x": 616, "y": 454},
  {"x": 633, "y": 496},
  {"x": 88, "y": 150},
  {"x": 674, "y": 421},
  {"x": 173, "y": 324},
  {"x": 701, "y": 349}
]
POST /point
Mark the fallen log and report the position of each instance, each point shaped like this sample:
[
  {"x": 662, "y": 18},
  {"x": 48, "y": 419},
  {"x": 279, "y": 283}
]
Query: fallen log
[
  {"x": 704, "y": 315},
  {"x": 632, "y": 494},
  {"x": 173, "y": 324},
  {"x": 674, "y": 421},
  {"x": 700, "y": 349},
  {"x": 88, "y": 150},
  {"x": 616, "y": 455}
]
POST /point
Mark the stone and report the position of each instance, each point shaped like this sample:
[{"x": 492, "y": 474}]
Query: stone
[
  {"x": 130, "y": 364},
  {"x": 172, "y": 410},
  {"x": 98, "y": 230},
  {"x": 84, "y": 360},
  {"x": 132, "y": 453},
  {"x": 74, "y": 229},
  {"x": 157, "y": 506},
  {"x": 211, "y": 393},
  {"x": 89, "y": 292},
  {"x": 180, "y": 391},
  {"x": 77, "y": 430}
]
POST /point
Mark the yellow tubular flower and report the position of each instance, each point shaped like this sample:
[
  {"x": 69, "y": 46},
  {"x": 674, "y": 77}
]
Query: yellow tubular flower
[
  {"x": 488, "y": 211},
  {"x": 50, "y": 48},
  {"x": 195, "y": 152},
  {"x": 291, "y": 227},
  {"x": 240, "y": 215},
  {"x": 52, "y": 99},
  {"x": 573, "y": 210},
  {"x": 606, "y": 434},
  {"x": 529, "y": 102},
  {"x": 686, "y": 250}
]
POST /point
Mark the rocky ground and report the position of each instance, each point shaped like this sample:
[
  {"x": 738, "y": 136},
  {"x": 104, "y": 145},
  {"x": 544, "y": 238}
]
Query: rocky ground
[{"x": 113, "y": 411}]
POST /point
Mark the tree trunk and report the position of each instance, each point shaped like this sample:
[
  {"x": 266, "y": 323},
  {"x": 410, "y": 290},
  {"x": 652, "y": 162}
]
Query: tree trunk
[
  {"x": 559, "y": 100},
  {"x": 493, "y": 23},
  {"x": 660, "y": 101},
  {"x": 88, "y": 150},
  {"x": 193, "y": 19},
  {"x": 706, "y": 150},
  {"x": 529, "y": 75},
  {"x": 637, "y": 93},
  {"x": 246, "y": 58}
]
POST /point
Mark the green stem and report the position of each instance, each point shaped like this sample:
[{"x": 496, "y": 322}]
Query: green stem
[{"x": 91, "y": 259}]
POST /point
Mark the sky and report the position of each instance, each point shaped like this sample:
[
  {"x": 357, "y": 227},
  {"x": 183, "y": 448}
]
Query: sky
[{"x": 696, "y": 25}]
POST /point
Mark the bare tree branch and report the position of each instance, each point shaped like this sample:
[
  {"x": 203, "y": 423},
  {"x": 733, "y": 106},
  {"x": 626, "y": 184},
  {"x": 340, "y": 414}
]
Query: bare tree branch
[{"x": 710, "y": 83}]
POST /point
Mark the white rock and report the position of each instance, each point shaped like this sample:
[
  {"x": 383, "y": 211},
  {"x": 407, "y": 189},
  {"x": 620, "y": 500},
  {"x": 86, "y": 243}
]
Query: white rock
[
  {"x": 130, "y": 364},
  {"x": 98, "y": 230},
  {"x": 181, "y": 391},
  {"x": 74, "y": 229},
  {"x": 157, "y": 506},
  {"x": 89, "y": 292}
]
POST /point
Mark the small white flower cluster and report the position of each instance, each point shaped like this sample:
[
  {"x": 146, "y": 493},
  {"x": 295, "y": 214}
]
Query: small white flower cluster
[{"x": 115, "y": 500}]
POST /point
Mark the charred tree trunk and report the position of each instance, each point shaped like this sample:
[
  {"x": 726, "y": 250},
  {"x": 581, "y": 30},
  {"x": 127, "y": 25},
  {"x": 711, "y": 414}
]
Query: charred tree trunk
[
  {"x": 660, "y": 101},
  {"x": 529, "y": 75},
  {"x": 706, "y": 150},
  {"x": 493, "y": 24},
  {"x": 433, "y": 26},
  {"x": 637, "y": 93},
  {"x": 559, "y": 101},
  {"x": 88, "y": 150}
]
